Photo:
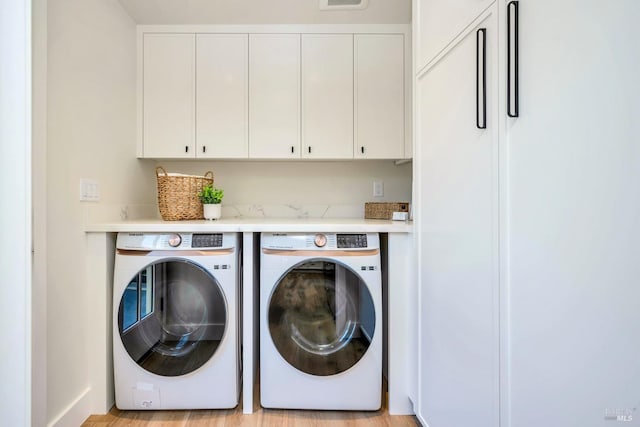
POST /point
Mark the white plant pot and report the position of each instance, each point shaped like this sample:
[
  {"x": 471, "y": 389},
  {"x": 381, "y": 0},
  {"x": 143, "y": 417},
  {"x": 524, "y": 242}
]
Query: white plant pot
[{"x": 212, "y": 211}]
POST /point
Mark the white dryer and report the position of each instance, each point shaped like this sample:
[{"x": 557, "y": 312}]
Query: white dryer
[
  {"x": 320, "y": 321},
  {"x": 176, "y": 321}
]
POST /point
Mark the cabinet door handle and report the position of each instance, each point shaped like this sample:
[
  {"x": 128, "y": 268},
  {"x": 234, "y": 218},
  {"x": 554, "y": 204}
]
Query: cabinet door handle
[
  {"x": 362, "y": 149},
  {"x": 309, "y": 149},
  {"x": 204, "y": 149},
  {"x": 512, "y": 60},
  {"x": 292, "y": 149},
  {"x": 481, "y": 78},
  {"x": 186, "y": 148}
]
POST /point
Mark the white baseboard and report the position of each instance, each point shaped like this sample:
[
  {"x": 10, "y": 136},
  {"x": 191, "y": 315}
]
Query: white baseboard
[{"x": 76, "y": 413}]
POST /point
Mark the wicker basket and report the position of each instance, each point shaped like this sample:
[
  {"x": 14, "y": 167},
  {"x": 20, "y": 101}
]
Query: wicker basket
[
  {"x": 384, "y": 210},
  {"x": 178, "y": 195}
]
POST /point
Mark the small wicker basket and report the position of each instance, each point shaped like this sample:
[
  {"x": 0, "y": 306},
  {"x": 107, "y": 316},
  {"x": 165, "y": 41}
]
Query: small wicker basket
[
  {"x": 384, "y": 210},
  {"x": 178, "y": 195}
]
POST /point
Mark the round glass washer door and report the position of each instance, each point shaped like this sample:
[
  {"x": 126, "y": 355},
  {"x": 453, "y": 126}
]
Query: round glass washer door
[
  {"x": 321, "y": 317},
  {"x": 172, "y": 317}
]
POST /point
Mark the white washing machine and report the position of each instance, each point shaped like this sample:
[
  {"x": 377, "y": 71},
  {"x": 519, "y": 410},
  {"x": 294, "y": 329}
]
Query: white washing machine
[
  {"x": 176, "y": 321},
  {"x": 320, "y": 321}
]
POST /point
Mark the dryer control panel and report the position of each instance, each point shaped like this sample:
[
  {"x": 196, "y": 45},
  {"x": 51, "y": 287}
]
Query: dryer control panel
[
  {"x": 320, "y": 241},
  {"x": 175, "y": 241}
]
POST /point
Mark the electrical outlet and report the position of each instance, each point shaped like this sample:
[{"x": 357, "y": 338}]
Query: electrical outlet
[
  {"x": 89, "y": 190},
  {"x": 378, "y": 189}
]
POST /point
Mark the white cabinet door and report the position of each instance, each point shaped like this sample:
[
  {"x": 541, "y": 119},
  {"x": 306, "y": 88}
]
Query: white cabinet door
[
  {"x": 574, "y": 216},
  {"x": 379, "y": 96},
  {"x": 169, "y": 95},
  {"x": 456, "y": 217},
  {"x": 327, "y": 96},
  {"x": 274, "y": 93},
  {"x": 438, "y": 22},
  {"x": 221, "y": 78}
]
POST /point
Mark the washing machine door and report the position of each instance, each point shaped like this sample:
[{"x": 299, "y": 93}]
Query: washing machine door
[
  {"x": 172, "y": 317},
  {"x": 321, "y": 317}
]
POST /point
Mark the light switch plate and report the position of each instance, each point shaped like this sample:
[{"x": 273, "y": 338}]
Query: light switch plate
[
  {"x": 378, "y": 189},
  {"x": 89, "y": 190}
]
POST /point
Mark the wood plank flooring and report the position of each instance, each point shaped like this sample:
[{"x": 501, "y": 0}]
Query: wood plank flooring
[{"x": 260, "y": 418}]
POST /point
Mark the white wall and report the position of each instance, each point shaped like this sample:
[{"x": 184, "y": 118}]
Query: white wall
[
  {"x": 301, "y": 189},
  {"x": 15, "y": 215},
  {"x": 91, "y": 134}
]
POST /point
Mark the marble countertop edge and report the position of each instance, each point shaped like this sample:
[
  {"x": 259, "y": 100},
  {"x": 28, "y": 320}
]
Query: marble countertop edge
[{"x": 309, "y": 225}]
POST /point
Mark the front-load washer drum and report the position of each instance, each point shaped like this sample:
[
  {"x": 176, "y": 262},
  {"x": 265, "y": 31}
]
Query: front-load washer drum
[
  {"x": 321, "y": 317},
  {"x": 172, "y": 317}
]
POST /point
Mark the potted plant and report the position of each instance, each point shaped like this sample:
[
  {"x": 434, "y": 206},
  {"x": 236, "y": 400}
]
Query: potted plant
[{"x": 211, "y": 198}]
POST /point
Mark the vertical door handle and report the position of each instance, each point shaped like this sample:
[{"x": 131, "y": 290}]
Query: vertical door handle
[
  {"x": 204, "y": 149},
  {"x": 292, "y": 149},
  {"x": 512, "y": 60},
  {"x": 186, "y": 148},
  {"x": 362, "y": 149},
  {"x": 309, "y": 149},
  {"x": 481, "y": 78}
]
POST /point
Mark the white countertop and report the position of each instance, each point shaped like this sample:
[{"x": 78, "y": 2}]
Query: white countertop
[{"x": 326, "y": 225}]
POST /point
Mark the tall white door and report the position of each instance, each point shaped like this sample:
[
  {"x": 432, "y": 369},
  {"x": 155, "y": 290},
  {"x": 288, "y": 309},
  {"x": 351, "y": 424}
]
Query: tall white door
[
  {"x": 222, "y": 95},
  {"x": 327, "y": 96},
  {"x": 457, "y": 224},
  {"x": 573, "y": 216},
  {"x": 274, "y": 91},
  {"x": 169, "y": 95}
]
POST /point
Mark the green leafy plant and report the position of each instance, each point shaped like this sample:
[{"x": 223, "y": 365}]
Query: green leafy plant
[{"x": 210, "y": 195}]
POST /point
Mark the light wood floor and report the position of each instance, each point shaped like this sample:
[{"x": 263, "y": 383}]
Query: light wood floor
[{"x": 261, "y": 418}]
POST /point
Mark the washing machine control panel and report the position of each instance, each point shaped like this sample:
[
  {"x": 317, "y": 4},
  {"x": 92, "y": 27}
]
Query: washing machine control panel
[
  {"x": 206, "y": 240},
  {"x": 351, "y": 241}
]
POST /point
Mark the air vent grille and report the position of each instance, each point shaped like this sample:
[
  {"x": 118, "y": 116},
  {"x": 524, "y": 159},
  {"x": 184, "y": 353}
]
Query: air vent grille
[{"x": 342, "y": 4}]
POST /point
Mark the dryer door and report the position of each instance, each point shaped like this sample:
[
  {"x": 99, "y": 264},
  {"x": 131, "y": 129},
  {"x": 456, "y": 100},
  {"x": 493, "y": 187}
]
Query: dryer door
[
  {"x": 172, "y": 317},
  {"x": 321, "y": 317}
]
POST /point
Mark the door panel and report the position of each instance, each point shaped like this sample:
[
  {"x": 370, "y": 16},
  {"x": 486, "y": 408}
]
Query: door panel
[
  {"x": 439, "y": 22},
  {"x": 456, "y": 221},
  {"x": 274, "y": 90},
  {"x": 222, "y": 80},
  {"x": 327, "y": 96},
  {"x": 379, "y": 96},
  {"x": 574, "y": 215},
  {"x": 169, "y": 95}
]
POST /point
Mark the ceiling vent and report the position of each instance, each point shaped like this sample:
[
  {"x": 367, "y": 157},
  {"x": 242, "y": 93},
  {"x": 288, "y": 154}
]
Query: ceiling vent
[{"x": 342, "y": 4}]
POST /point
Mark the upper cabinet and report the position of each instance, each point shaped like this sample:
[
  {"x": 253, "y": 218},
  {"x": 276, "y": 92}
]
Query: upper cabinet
[
  {"x": 439, "y": 22},
  {"x": 327, "y": 96},
  {"x": 274, "y": 90},
  {"x": 168, "y": 92},
  {"x": 221, "y": 95},
  {"x": 379, "y": 96}
]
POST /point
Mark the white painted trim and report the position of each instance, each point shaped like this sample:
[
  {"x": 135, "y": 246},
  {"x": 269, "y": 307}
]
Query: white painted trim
[
  {"x": 99, "y": 279},
  {"x": 400, "y": 284},
  {"x": 248, "y": 349},
  {"x": 139, "y": 95},
  {"x": 76, "y": 413},
  {"x": 39, "y": 205},
  {"x": 280, "y": 29},
  {"x": 423, "y": 69},
  {"x": 15, "y": 221}
]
